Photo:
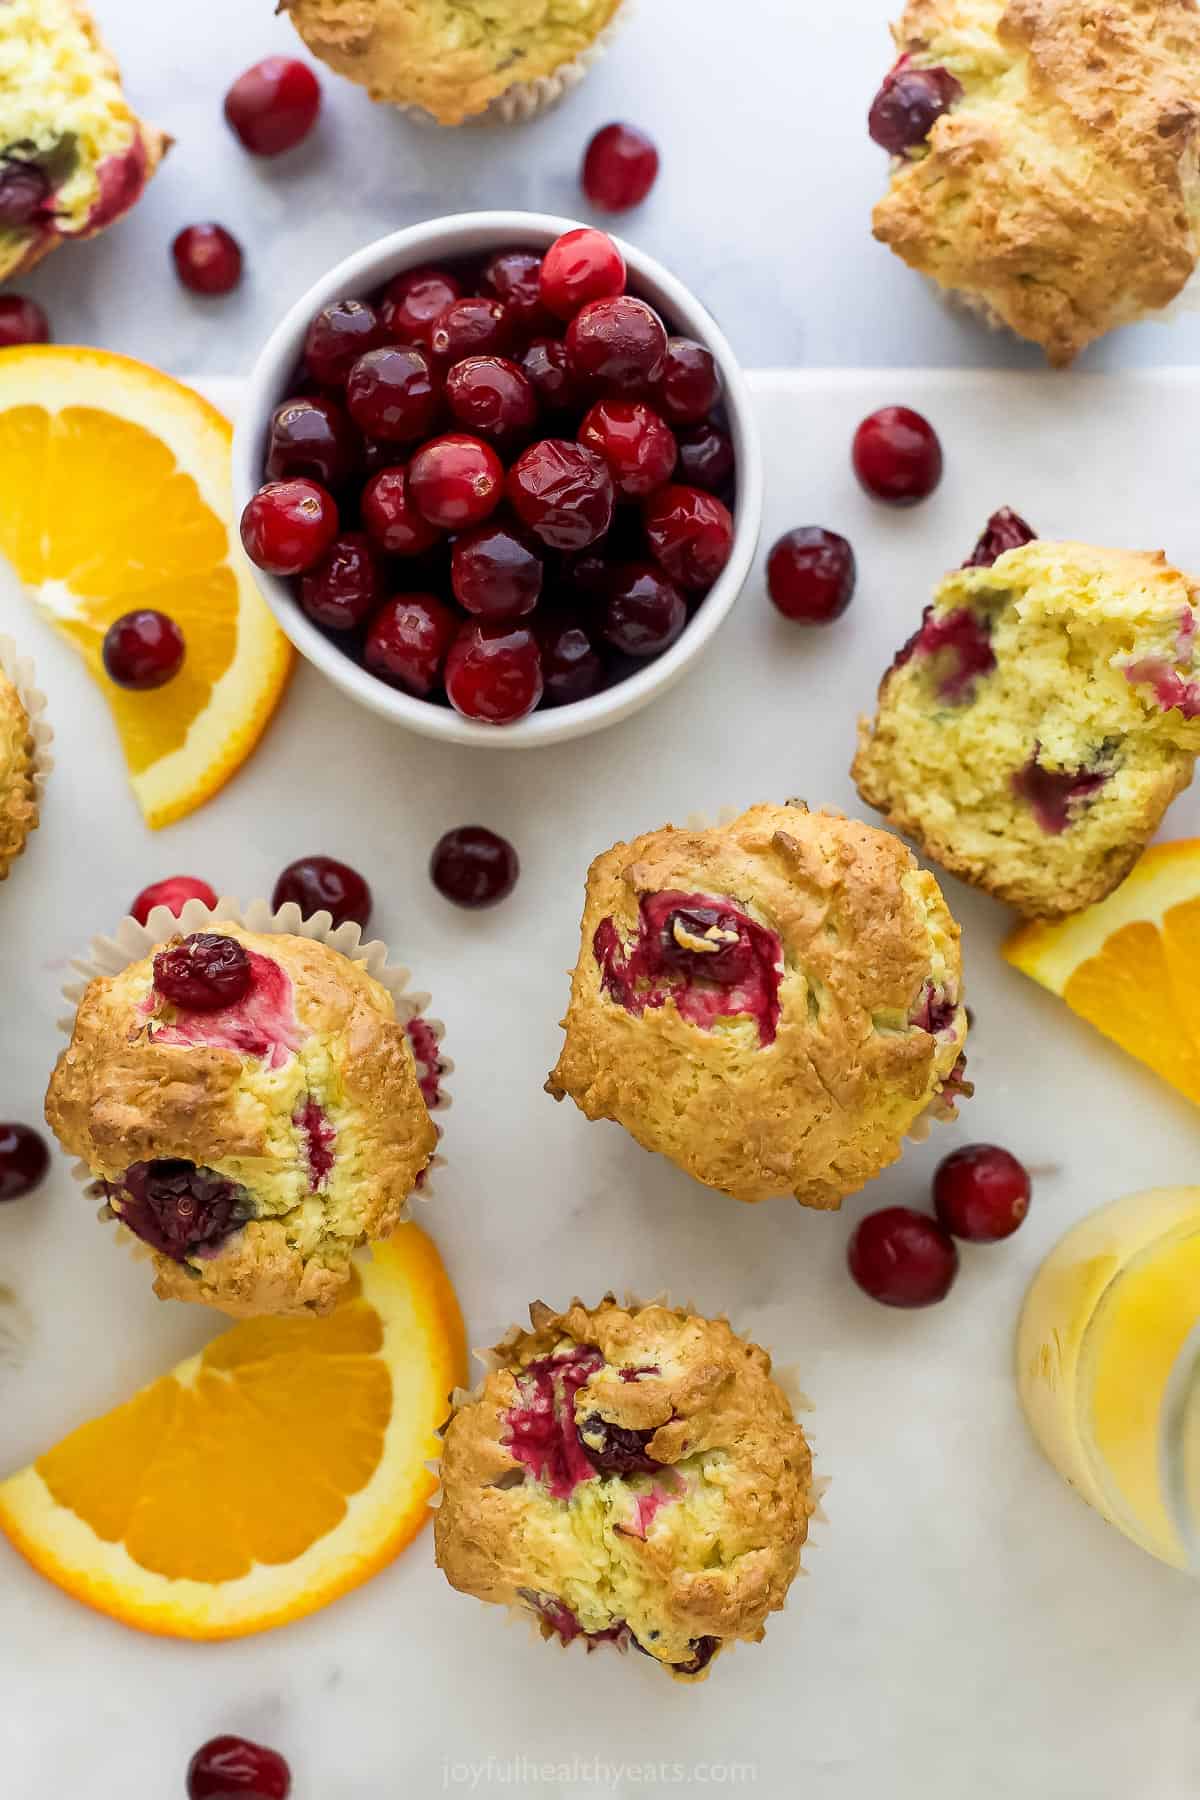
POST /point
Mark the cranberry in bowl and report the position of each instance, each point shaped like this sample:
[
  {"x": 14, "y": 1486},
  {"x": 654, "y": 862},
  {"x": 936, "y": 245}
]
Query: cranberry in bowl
[{"x": 527, "y": 470}]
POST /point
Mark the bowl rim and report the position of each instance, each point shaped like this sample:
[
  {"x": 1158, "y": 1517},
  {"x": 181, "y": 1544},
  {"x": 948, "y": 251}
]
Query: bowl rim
[{"x": 464, "y": 234}]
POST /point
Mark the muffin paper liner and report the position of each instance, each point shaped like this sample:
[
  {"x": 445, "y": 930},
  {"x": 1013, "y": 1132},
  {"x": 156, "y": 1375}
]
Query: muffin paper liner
[
  {"x": 526, "y": 100},
  {"x": 20, "y": 671}
]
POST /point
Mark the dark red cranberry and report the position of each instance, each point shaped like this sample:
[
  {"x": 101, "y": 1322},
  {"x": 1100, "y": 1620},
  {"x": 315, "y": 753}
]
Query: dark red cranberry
[
  {"x": 690, "y": 384},
  {"x": 310, "y": 437},
  {"x": 621, "y": 343},
  {"x": 580, "y": 266},
  {"x": 492, "y": 397},
  {"x": 706, "y": 456},
  {"x": 690, "y": 533},
  {"x": 391, "y": 517},
  {"x": 548, "y": 367},
  {"x": 345, "y": 586},
  {"x": 909, "y": 104},
  {"x": 208, "y": 259},
  {"x": 563, "y": 492},
  {"x": 24, "y": 192},
  {"x": 494, "y": 672},
  {"x": 393, "y": 393},
  {"x": 897, "y": 456},
  {"x": 475, "y": 326},
  {"x": 22, "y": 321},
  {"x": 288, "y": 526},
  {"x": 494, "y": 573},
  {"x": 703, "y": 1649},
  {"x": 232, "y": 1768},
  {"x": 1005, "y": 530},
  {"x": 981, "y": 1193},
  {"x": 586, "y": 578},
  {"x": 274, "y": 105},
  {"x": 902, "y": 1258},
  {"x": 474, "y": 867},
  {"x": 408, "y": 642},
  {"x": 143, "y": 650},
  {"x": 341, "y": 333},
  {"x": 204, "y": 973},
  {"x": 645, "y": 612},
  {"x": 1056, "y": 796},
  {"x": 24, "y": 1160},
  {"x": 620, "y": 167},
  {"x": 456, "y": 481},
  {"x": 414, "y": 302},
  {"x": 811, "y": 574},
  {"x": 515, "y": 278},
  {"x": 615, "y": 1449},
  {"x": 638, "y": 447},
  {"x": 319, "y": 884},
  {"x": 571, "y": 668},
  {"x": 176, "y": 1207},
  {"x": 174, "y": 892}
]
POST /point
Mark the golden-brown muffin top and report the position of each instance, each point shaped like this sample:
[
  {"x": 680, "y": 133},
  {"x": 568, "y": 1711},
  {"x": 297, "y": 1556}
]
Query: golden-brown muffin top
[{"x": 18, "y": 802}]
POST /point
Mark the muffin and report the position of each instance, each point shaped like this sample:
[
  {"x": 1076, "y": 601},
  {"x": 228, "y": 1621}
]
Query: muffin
[
  {"x": 18, "y": 795},
  {"x": 73, "y": 154},
  {"x": 251, "y": 1109},
  {"x": 1044, "y": 158},
  {"x": 628, "y": 1475},
  {"x": 1031, "y": 735},
  {"x": 771, "y": 1003},
  {"x": 452, "y": 61}
]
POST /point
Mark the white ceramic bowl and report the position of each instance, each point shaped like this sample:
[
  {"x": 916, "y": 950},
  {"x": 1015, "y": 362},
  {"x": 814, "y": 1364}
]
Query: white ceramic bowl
[{"x": 470, "y": 234}]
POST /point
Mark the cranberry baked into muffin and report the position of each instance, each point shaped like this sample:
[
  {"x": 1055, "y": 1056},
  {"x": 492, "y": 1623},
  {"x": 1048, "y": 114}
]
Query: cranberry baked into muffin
[
  {"x": 1044, "y": 158},
  {"x": 18, "y": 795},
  {"x": 629, "y": 1475},
  {"x": 771, "y": 1003},
  {"x": 252, "y": 1110},
  {"x": 1033, "y": 732}
]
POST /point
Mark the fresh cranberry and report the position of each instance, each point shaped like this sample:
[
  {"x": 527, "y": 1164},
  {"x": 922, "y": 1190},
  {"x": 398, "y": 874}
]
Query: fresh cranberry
[
  {"x": 143, "y": 650},
  {"x": 393, "y": 393},
  {"x": 391, "y": 517},
  {"x": 174, "y": 892},
  {"x": 981, "y": 1193},
  {"x": 645, "y": 612},
  {"x": 22, "y": 321},
  {"x": 620, "y": 342},
  {"x": 274, "y": 105},
  {"x": 345, "y": 585},
  {"x": 474, "y": 867},
  {"x": 24, "y": 192},
  {"x": 706, "y": 456},
  {"x": 548, "y": 367},
  {"x": 902, "y": 1258},
  {"x": 24, "y": 1160},
  {"x": 204, "y": 973},
  {"x": 811, "y": 574},
  {"x": 232, "y": 1768},
  {"x": 408, "y": 641},
  {"x": 515, "y": 278},
  {"x": 1055, "y": 796},
  {"x": 456, "y": 481},
  {"x": 288, "y": 526},
  {"x": 620, "y": 167},
  {"x": 341, "y": 333},
  {"x": 690, "y": 384},
  {"x": 494, "y": 573},
  {"x": 909, "y": 104},
  {"x": 690, "y": 533},
  {"x": 310, "y": 437},
  {"x": 471, "y": 327},
  {"x": 413, "y": 304},
  {"x": 563, "y": 492},
  {"x": 1005, "y": 530},
  {"x": 319, "y": 884},
  {"x": 897, "y": 456},
  {"x": 176, "y": 1208},
  {"x": 208, "y": 259},
  {"x": 638, "y": 447},
  {"x": 571, "y": 668},
  {"x": 580, "y": 266},
  {"x": 492, "y": 397},
  {"x": 494, "y": 672}
]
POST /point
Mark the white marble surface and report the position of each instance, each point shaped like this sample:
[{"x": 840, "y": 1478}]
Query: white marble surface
[{"x": 762, "y": 207}]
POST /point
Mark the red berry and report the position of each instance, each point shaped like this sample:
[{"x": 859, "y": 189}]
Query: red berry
[
  {"x": 571, "y": 668},
  {"x": 24, "y": 1160},
  {"x": 391, "y": 517},
  {"x": 909, "y": 104},
  {"x": 515, "y": 278},
  {"x": 897, "y": 456},
  {"x": 492, "y": 397},
  {"x": 25, "y": 192},
  {"x": 1006, "y": 530},
  {"x": 393, "y": 393},
  {"x": 174, "y": 892},
  {"x": 471, "y": 327},
  {"x": 341, "y": 333},
  {"x": 456, "y": 481},
  {"x": 690, "y": 533},
  {"x": 563, "y": 492},
  {"x": 902, "y": 1258},
  {"x": 208, "y": 259},
  {"x": 414, "y": 302},
  {"x": 644, "y": 612},
  {"x": 233, "y": 1768},
  {"x": 706, "y": 456},
  {"x": 580, "y": 266},
  {"x": 473, "y": 866},
  {"x": 638, "y": 447},
  {"x": 22, "y": 321},
  {"x": 319, "y": 884},
  {"x": 690, "y": 384},
  {"x": 620, "y": 342},
  {"x": 981, "y": 1193},
  {"x": 345, "y": 586},
  {"x": 619, "y": 168},
  {"x": 548, "y": 367},
  {"x": 494, "y": 573},
  {"x": 811, "y": 574},
  {"x": 143, "y": 650},
  {"x": 313, "y": 438},
  {"x": 408, "y": 642},
  {"x": 494, "y": 672},
  {"x": 274, "y": 105},
  {"x": 204, "y": 973},
  {"x": 288, "y": 526}
]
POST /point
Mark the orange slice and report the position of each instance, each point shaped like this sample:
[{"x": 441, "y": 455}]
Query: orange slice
[
  {"x": 1131, "y": 966},
  {"x": 116, "y": 485},
  {"x": 259, "y": 1480}
]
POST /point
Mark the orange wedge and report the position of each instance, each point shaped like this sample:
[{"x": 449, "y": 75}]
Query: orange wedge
[
  {"x": 263, "y": 1478},
  {"x": 1131, "y": 966},
  {"x": 116, "y": 495}
]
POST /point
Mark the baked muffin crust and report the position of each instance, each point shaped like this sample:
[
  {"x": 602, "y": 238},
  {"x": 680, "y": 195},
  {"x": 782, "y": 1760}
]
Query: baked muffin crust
[{"x": 18, "y": 799}]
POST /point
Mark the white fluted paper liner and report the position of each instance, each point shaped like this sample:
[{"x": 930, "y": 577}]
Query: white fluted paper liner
[
  {"x": 526, "y": 100},
  {"x": 20, "y": 671}
]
